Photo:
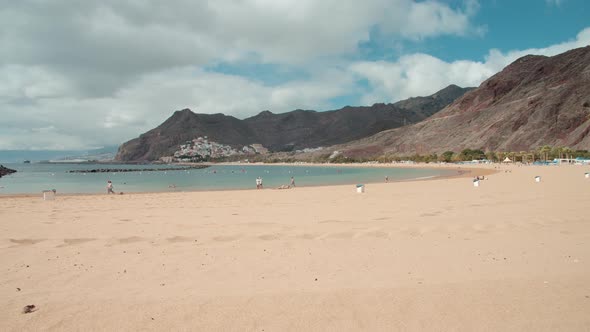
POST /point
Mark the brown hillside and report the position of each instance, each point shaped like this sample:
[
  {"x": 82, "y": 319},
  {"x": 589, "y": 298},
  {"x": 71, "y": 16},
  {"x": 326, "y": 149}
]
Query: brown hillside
[
  {"x": 286, "y": 131},
  {"x": 534, "y": 101}
]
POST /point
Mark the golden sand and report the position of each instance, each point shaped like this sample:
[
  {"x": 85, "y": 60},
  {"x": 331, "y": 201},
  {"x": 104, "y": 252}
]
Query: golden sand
[{"x": 439, "y": 255}]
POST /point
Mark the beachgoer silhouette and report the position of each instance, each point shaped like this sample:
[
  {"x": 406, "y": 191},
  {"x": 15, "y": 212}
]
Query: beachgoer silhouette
[
  {"x": 110, "y": 187},
  {"x": 292, "y": 182}
]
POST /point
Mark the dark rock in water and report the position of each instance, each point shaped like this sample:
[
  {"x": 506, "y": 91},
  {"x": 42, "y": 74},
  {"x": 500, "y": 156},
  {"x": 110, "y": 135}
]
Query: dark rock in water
[
  {"x": 6, "y": 171},
  {"x": 120, "y": 170}
]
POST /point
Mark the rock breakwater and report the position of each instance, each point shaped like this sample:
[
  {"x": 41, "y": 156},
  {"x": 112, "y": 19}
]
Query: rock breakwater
[
  {"x": 120, "y": 170},
  {"x": 6, "y": 171}
]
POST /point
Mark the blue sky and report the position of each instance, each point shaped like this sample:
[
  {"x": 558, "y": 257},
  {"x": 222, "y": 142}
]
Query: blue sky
[
  {"x": 515, "y": 25},
  {"x": 79, "y": 75},
  {"x": 507, "y": 25}
]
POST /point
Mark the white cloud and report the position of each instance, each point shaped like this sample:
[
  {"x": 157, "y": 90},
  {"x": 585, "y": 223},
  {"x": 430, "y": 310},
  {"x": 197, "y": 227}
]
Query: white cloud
[
  {"x": 423, "y": 19},
  {"x": 130, "y": 37},
  {"x": 76, "y": 74},
  {"x": 556, "y": 3},
  {"x": 30, "y": 82},
  {"x": 422, "y": 74},
  {"x": 89, "y": 73},
  {"x": 498, "y": 59},
  {"x": 75, "y": 123},
  {"x": 416, "y": 75}
]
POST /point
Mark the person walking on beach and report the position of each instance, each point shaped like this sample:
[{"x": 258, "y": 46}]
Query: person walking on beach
[
  {"x": 292, "y": 182},
  {"x": 259, "y": 183},
  {"x": 110, "y": 187}
]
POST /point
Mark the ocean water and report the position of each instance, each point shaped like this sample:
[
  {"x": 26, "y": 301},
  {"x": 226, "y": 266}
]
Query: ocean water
[{"x": 34, "y": 178}]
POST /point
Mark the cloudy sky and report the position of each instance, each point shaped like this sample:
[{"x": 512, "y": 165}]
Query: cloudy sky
[{"x": 84, "y": 74}]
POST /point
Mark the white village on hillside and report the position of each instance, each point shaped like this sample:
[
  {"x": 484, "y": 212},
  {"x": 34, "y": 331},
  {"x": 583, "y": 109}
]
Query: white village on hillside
[{"x": 202, "y": 148}]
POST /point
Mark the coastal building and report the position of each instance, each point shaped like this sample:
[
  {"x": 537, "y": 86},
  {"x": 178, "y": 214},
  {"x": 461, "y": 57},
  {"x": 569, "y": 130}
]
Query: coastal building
[
  {"x": 201, "y": 148},
  {"x": 564, "y": 161},
  {"x": 258, "y": 148},
  {"x": 335, "y": 154}
]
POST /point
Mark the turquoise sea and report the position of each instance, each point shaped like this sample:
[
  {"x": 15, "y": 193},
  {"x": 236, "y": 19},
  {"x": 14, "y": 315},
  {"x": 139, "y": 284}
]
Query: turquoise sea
[{"x": 34, "y": 178}]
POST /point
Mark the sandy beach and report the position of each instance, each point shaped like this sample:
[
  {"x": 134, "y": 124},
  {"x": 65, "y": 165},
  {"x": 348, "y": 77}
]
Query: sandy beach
[{"x": 437, "y": 255}]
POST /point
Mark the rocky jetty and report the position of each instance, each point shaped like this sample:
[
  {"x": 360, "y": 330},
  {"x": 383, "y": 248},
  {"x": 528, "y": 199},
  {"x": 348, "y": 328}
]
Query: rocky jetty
[
  {"x": 122, "y": 170},
  {"x": 6, "y": 171}
]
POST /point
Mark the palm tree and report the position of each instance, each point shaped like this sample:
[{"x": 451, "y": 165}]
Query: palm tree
[
  {"x": 512, "y": 155},
  {"x": 544, "y": 150},
  {"x": 532, "y": 155},
  {"x": 524, "y": 156},
  {"x": 557, "y": 151},
  {"x": 491, "y": 156},
  {"x": 568, "y": 152}
]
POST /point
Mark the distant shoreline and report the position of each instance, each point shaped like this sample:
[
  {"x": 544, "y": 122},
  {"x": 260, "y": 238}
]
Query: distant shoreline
[{"x": 461, "y": 172}]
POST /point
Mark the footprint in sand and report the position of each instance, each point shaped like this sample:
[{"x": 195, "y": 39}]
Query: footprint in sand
[
  {"x": 258, "y": 223},
  {"x": 431, "y": 214},
  {"x": 481, "y": 228},
  {"x": 308, "y": 236},
  {"x": 226, "y": 238},
  {"x": 377, "y": 234},
  {"x": 26, "y": 242},
  {"x": 269, "y": 237},
  {"x": 331, "y": 221},
  {"x": 73, "y": 242},
  {"x": 412, "y": 232},
  {"x": 340, "y": 235},
  {"x": 176, "y": 239},
  {"x": 427, "y": 229},
  {"x": 125, "y": 240}
]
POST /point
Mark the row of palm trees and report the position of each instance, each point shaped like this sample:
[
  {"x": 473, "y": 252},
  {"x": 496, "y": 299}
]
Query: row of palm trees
[{"x": 544, "y": 152}]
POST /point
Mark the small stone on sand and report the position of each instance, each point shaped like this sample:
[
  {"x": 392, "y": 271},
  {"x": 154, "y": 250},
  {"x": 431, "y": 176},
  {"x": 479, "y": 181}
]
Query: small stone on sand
[{"x": 29, "y": 308}]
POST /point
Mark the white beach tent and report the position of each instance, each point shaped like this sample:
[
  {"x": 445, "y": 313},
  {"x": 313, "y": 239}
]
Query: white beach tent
[{"x": 507, "y": 160}]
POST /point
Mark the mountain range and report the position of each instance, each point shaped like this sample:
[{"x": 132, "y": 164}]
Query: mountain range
[
  {"x": 289, "y": 131},
  {"x": 534, "y": 101}
]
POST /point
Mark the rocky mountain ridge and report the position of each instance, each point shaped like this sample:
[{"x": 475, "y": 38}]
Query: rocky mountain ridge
[
  {"x": 297, "y": 129},
  {"x": 534, "y": 101}
]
